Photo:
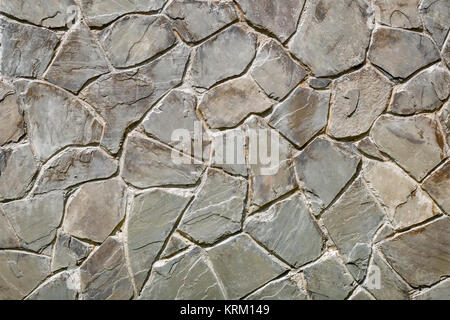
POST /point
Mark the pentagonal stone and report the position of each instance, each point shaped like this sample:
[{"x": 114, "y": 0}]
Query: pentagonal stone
[
  {"x": 229, "y": 103},
  {"x": 416, "y": 143},
  {"x": 398, "y": 13},
  {"x": 333, "y": 36},
  {"x": 79, "y": 60},
  {"x": 440, "y": 291},
  {"x": 278, "y": 18},
  {"x": 123, "y": 98},
  {"x": 286, "y": 288},
  {"x": 56, "y": 119},
  {"x": 438, "y": 186},
  {"x": 136, "y": 38},
  {"x": 183, "y": 277},
  {"x": 247, "y": 266},
  {"x": 17, "y": 170},
  {"x": 427, "y": 91},
  {"x": 95, "y": 210},
  {"x": 226, "y": 55},
  {"x": 35, "y": 221},
  {"x": 151, "y": 219},
  {"x": 327, "y": 279},
  {"x": 435, "y": 14},
  {"x": 26, "y": 50},
  {"x": 288, "y": 230},
  {"x": 68, "y": 251},
  {"x": 62, "y": 286},
  {"x": 359, "y": 98},
  {"x": 148, "y": 163},
  {"x": 21, "y": 273},
  {"x": 196, "y": 19},
  {"x": 11, "y": 117},
  {"x": 421, "y": 256},
  {"x": 46, "y": 13},
  {"x": 400, "y": 53},
  {"x": 104, "y": 275},
  {"x": 217, "y": 209},
  {"x": 74, "y": 166},
  {"x": 99, "y": 13},
  {"x": 301, "y": 116},
  {"x": 324, "y": 168}
]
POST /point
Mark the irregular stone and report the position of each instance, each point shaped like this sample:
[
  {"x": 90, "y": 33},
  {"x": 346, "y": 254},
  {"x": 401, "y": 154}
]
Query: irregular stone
[
  {"x": 383, "y": 283},
  {"x": 446, "y": 52},
  {"x": 68, "y": 251},
  {"x": 79, "y": 60},
  {"x": 327, "y": 279},
  {"x": 359, "y": 98},
  {"x": 278, "y": 18},
  {"x": 95, "y": 209},
  {"x": 275, "y": 71},
  {"x": 440, "y": 291},
  {"x": 229, "y": 103},
  {"x": 324, "y": 168},
  {"x": 104, "y": 275},
  {"x": 8, "y": 238},
  {"x": 288, "y": 230},
  {"x": 319, "y": 83},
  {"x": 416, "y": 143},
  {"x": 228, "y": 148},
  {"x": 421, "y": 256},
  {"x": 216, "y": 60},
  {"x": 46, "y": 13},
  {"x": 123, "y": 98},
  {"x": 368, "y": 147},
  {"x": 20, "y": 273},
  {"x": 361, "y": 294},
  {"x": 217, "y": 209},
  {"x": 62, "y": 286},
  {"x": 195, "y": 20},
  {"x": 302, "y": 115},
  {"x": 11, "y": 118},
  {"x": 438, "y": 186},
  {"x": 398, "y": 13},
  {"x": 99, "y": 13},
  {"x": 176, "y": 113},
  {"x": 74, "y": 166},
  {"x": 436, "y": 20},
  {"x": 444, "y": 117},
  {"x": 333, "y": 36},
  {"x": 427, "y": 91},
  {"x": 151, "y": 219},
  {"x": 237, "y": 277},
  {"x": 352, "y": 223},
  {"x": 26, "y": 50},
  {"x": 56, "y": 120},
  {"x": 288, "y": 288},
  {"x": 384, "y": 232},
  {"x": 136, "y": 38},
  {"x": 400, "y": 53},
  {"x": 17, "y": 170},
  {"x": 184, "y": 277},
  {"x": 36, "y": 220},
  {"x": 148, "y": 163},
  {"x": 175, "y": 245}
]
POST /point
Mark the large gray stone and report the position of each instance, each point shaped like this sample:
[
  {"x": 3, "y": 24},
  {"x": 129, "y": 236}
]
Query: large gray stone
[
  {"x": 332, "y": 36},
  {"x": 68, "y": 251},
  {"x": 398, "y": 13},
  {"x": 400, "y": 53},
  {"x": 151, "y": 218},
  {"x": 62, "y": 286},
  {"x": 359, "y": 98},
  {"x": 291, "y": 287},
  {"x": 288, "y": 230},
  {"x": 436, "y": 18},
  {"x": 438, "y": 186},
  {"x": 226, "y": 55},
  {"x": 11, "y": 115}
]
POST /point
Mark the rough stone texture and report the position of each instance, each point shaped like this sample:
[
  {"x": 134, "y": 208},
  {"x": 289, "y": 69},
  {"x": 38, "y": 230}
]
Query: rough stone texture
[
  {"x": 400, "y": 53},
  {"x": 62, "y": 286},
  {"x": 332, "y": 36},
  {"x": 398, "y": 13},
  {"x": 8, "y": 238},
  {"x": 68, "y": 251},
  {"x": 287, "y": 288},
  {"x": 175, "y": 245},
  {"x": 436, "y": 20},
  {"x": 11, "y": 115},
  {"x": 361, "y": 294},
  {"x": 440, "y": 291},
  {"x": 438, "y": 186}
]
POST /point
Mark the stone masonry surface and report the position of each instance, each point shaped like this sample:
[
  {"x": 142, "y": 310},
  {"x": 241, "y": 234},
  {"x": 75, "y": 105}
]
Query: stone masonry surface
[{"x": 93, "y": 205}]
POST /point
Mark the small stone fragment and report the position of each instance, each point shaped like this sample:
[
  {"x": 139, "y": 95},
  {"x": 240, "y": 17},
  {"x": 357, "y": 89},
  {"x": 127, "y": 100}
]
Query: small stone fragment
[
  {"x": 435, "y": 14},
  {"x": 175, "y": 245},
  {"x": 361, "y": 294},
  {"x": 79, "y": 60},
  {"x": 438, "y": 186},
  {"x": 324, "y": 168},
  {"x": 216, "y": 59},
  {"x": 68, "y": 251},
  {"x": 319, "y": 83},
  {"x": 247, "y": 266},
  {"x": 446, "y": 52},
  {"x": 288, "y": 288},
  {"x": 440, "y": 291},
  {"x": 369, "y": 148},
  {"x": 195, "y": 20},
  {"x": 444, "y": 117},
  {"x": 302, "y": 115},
  {"x": 230, "y": 159},
  {"x": 400, "y": 53},
  {"x": 62, "y": 286},
  {"x": 11, "y": 117},
  {"x": 104, "y": 275},
  {"x": 288, "y": 230},
  {"x": 359, "y": 98},
  {"x": 398, "y": 13}
]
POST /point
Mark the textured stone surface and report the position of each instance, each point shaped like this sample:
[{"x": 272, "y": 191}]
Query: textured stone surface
[
  {"x": 438, "y": 186},
  {"x": 398, "y": 13},
  {"x": 435, "y": 15},
  {"x": 68, "y": 251},
  {"x": 286, "y": 288},
  {"x": 62, "y": 286},
  {"x": 332, "y": 36},
  {"x": 11, "y": 115},
  {"x": 8, "y": 238},
  {"x": 440, "y": 291}
]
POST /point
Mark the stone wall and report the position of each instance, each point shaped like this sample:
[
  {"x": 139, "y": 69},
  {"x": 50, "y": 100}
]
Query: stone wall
[{"x": 98, "y": 200}]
